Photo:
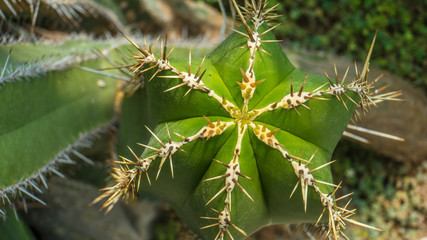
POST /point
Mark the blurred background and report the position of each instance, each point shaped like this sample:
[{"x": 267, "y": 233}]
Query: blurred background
[{"x": 388, "y": 178}]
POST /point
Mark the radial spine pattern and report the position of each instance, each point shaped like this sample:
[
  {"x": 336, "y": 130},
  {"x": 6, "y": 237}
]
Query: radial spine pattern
[{"x": 244, "y": 119}]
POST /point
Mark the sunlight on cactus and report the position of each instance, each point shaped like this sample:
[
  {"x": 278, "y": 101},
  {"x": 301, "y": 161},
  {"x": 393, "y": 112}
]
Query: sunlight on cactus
[{"x": 242, "y": 130}]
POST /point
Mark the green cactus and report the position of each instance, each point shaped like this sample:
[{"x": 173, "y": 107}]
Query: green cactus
[
  {"x": 50, "y": 106},
  {"x": 239, "y": 130}
]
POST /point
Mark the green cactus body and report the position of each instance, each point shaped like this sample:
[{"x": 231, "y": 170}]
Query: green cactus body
[
  {"x": 272, "y": 175},
  {"x": 229, "y": 138},
  {"x": 47, "y": 105}
]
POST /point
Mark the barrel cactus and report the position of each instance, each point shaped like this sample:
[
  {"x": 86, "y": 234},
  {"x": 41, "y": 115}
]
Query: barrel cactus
[{"x": 230, "y": 138}]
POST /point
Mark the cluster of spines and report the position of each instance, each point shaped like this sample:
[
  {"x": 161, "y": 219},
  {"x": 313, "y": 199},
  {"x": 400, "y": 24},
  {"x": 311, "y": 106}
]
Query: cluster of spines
[
  {"x": 128, "y": 176},
  {"x": 146, "y": 56},
  {"x": 258, "y": 14}
]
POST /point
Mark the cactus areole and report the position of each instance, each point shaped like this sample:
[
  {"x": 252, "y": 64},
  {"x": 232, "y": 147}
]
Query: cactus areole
[{"x": 240, "y": 139}]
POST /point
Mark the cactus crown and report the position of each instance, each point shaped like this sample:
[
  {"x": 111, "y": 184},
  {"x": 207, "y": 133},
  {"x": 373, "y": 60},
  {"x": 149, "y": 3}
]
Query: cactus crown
[{"x": 248, "y": 130}]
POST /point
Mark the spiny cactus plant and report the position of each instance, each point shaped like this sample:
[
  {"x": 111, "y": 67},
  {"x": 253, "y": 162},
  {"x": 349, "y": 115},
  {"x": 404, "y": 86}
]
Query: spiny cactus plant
[{"x": 240, "y": 131}]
